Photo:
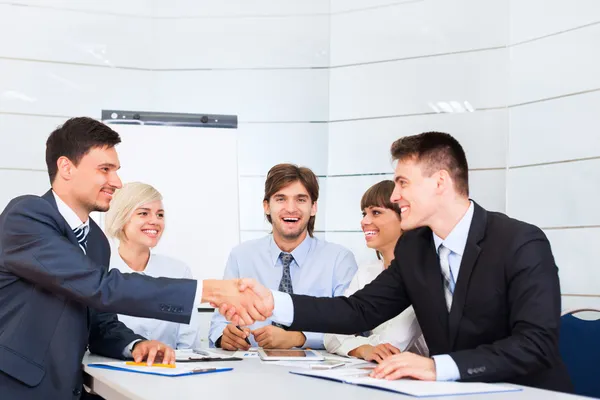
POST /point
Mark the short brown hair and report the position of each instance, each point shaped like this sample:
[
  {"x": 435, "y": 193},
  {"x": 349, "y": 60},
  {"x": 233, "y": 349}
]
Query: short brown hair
[
  {"x": 74, "y": 139},
  {"x": 379, "y": 195},
  {"x": 436, "y": 151},
  {"x": 282, "y": 175}
]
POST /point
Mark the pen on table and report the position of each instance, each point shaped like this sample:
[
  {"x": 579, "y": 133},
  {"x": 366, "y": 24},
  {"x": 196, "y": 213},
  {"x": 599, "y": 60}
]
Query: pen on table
[
  {"x": 247, "y": 340},
  {"x": 143, "y": 364}
]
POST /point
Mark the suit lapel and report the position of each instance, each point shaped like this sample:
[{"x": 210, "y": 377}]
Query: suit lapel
[
  {"x": 469, "y": 259},
  {"x": 433, "y": 278},
  {"x": 49, "y": 197}
]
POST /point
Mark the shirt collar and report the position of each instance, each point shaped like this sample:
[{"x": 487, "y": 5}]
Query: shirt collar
[
  {"x": 68, "y": 214},
  {"x": 300, "y": 253},
  {"x": 457, "y": 239}
]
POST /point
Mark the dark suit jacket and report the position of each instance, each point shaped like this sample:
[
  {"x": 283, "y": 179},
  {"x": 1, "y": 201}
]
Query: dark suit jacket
[
  {"x": 505, "y": 316},
  {"x": 55, "y": 301}
]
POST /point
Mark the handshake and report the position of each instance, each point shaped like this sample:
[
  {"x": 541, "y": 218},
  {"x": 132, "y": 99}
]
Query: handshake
[{"x": 240, "y": 301}]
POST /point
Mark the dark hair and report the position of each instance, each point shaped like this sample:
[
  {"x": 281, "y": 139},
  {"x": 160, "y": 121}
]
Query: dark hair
[
  {"x": 379, "y": 195},
  {"x": 435, "y": 151},
  {"x": 282, "y": 175},
  {"x": 74, "y": 139}
]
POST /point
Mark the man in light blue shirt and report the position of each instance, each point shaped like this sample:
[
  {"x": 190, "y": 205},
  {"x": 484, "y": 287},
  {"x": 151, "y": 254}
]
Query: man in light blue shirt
[{"x": 290, "y": 260}]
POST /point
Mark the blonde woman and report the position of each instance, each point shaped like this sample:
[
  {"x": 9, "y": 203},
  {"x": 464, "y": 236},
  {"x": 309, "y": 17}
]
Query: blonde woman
[
  {"x": 381, "y": 227},
  {"x": 136, "y": 219}
]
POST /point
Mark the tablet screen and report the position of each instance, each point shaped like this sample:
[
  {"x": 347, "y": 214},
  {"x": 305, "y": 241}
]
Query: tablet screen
[{"x": 290, "y": 353}]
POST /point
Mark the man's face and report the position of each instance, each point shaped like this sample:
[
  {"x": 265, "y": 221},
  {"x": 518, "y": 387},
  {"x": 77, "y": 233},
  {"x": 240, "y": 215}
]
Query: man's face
[
  {"x": 415, "y": 193},
  {"x": 94, "y": 181},
  {"x": 290, "y": 210}
]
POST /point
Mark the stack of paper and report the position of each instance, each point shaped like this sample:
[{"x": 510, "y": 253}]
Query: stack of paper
[{"x": 359, "y": 376}]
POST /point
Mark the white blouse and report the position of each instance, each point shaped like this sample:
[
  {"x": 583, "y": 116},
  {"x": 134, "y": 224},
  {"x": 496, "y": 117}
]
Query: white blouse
[
  {"x": 178, "y": 336},
  {"x": 402, "y": 331}
]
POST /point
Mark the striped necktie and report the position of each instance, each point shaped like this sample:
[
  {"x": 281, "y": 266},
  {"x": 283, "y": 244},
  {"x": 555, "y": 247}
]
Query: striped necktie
[
  {"x": 444, "y": 254},
  {"x": 81, "y": 233}
]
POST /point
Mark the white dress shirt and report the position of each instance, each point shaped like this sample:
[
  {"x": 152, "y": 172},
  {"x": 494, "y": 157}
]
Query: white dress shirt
[
  {"x": 178, "y": 336},
  {"x": 402, "y": 331}
]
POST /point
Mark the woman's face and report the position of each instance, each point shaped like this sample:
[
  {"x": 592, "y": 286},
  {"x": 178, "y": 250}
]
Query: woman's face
[
  {"x": 381, "y": 227},
  {"x": 146, "y": 225}
]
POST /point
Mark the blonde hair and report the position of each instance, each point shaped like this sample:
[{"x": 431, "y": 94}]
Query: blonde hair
[{"x": 125, "y": 201}]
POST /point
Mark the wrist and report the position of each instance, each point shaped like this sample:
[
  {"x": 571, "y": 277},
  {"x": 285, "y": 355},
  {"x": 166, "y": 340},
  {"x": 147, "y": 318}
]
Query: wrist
[
  {"x": 300, "y": 339},
  {"x": 358, "y": 352},
  {"x": 210, "y": 291}
]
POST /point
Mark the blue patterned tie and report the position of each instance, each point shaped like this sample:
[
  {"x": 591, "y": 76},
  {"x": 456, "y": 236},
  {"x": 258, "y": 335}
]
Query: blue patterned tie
[
  {"x": 81, "y": 233},
  {"x": 285, "y": 285}
]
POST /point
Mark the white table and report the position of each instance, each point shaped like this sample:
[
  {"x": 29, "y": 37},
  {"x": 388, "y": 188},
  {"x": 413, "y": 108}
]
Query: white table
[{"x": 253, "y": 380}]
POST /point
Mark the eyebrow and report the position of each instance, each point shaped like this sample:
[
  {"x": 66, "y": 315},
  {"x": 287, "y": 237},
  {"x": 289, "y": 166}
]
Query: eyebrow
[
  {"x": 111, "y": 165},
  {"x": 147, "y": 209}
]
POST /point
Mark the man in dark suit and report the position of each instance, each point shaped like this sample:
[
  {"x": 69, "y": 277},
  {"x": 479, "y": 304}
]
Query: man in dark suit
[
  {"x": 484, "y": 287},
  {"x": 56, "y": 294}
]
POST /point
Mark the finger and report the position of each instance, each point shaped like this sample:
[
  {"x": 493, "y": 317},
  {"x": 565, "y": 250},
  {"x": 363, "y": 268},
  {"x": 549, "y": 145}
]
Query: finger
[
  {"x": 383, "y": 351},
  {"x": 169, "y": 356},
  {"x": 254, "y": 313},
  {"x": 245, "y": 318},
  {"x": 392, "y": 349},
  {"x": 259, "y": 331},
  {"x": 261, "y": 336},
  {"x": 226, "y": 344},
  {"x": 398, "y": 374},
  {"x": 377, "y": 357},
  {"x": 233, "y": 330},
  {"x": 152, "y": 355},
  {"x": 137, "y": 354},
  {"x": 390, "y": 367}
]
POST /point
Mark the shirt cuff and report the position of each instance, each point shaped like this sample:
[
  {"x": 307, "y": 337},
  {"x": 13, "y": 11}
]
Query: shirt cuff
[
  {"x": 314, "y": 340},
  {"x": 198, "y": 298},
  {"x": 283, "y": 308},
  {"x": 445, "y": 368},
  {"x": 129, "y": 347}
]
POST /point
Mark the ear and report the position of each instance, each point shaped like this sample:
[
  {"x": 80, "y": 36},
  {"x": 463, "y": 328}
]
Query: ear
[
  {"x": 266, "y": 207},
  {"x": 313, "y": 209},
  {"x": 444, "y": 181},
  {"x": 65, "y": 168}
]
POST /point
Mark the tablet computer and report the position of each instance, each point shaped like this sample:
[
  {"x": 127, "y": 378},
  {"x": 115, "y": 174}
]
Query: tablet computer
[{"x": 290, "y": 355}]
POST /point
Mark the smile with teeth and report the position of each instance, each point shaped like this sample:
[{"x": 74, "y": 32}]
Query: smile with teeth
[
  {"x": 291, "y": 219},
  {"x": 150, "y": 231},
  {"x": 403, "y": 209},
  {"x": 371, "y": 233}
]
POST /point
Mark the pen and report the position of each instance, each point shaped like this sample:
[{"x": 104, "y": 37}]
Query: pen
[
  {"x": 247, "y": 341},
  {"x": 143, "y": 364}
]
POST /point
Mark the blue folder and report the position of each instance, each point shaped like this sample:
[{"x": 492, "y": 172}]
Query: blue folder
[{"x": 157, "y": 370}]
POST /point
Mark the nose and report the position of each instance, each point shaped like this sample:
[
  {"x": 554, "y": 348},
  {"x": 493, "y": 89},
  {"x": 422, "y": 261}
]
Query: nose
[
  {"x": 290, "y": 205},
  {"x": 366, "y": 220},
  {"x": 396, "y": 194},
  {"x": 115, "y": 181}
]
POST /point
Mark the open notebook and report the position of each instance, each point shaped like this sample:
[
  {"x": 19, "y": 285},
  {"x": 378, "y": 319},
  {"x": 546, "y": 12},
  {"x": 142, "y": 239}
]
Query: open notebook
[
  {"x": 180, "y": 370},
  {"x": 358, "y": 376}
]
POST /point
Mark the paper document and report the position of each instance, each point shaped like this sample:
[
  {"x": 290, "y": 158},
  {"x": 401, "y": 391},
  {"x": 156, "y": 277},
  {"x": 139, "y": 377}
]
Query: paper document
[
  {"x": 251, "y": 353},
  {"x": 360, "y": 376},
  {"x": 179, "y": 370}
]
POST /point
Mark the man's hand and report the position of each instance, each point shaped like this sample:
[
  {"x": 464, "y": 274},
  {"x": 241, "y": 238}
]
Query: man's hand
[
  {"x": 374, "y": 353},
  {"x": 238, "y": 304},
  {"x": 231, "y": 311},
  {"x": 406, "y": 365},
  {"x": 234, "y": 339},
  {"x": 153, "y": 350},
  {"x": 272, "y": 337}
]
